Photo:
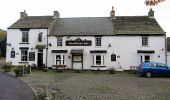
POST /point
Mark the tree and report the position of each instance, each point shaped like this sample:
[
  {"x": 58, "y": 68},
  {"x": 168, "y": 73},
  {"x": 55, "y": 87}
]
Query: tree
[{"x": 153, "y": 2}]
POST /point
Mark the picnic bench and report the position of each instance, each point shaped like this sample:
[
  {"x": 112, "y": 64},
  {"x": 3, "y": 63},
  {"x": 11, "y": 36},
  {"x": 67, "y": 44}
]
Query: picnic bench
[{"x": 60, "y": 67}]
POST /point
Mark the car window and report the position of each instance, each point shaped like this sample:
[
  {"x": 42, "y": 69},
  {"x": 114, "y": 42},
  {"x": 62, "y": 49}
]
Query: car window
[{"x": 161, "y": 65}]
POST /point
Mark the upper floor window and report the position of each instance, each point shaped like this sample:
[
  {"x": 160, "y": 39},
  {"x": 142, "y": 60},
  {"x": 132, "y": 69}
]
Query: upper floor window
[
  {"x": 25, "y": 36},
  {"x": 98, "y": 41},
  {"x": 40, "y": 37},
  {"x": 144, "y": 41},
  {"x": 59, "y": 41}
]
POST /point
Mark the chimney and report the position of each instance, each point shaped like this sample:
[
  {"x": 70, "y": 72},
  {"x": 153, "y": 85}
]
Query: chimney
[
  {"x": 56, "y": 14},
  {"x": 151, "y": 13},
  {"x": 23, "y": 14},
  {"x": 112, "y": 13}
]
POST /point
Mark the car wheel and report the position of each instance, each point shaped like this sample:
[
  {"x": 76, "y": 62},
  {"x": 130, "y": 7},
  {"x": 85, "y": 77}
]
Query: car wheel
[{"x": 148, "y": 74}]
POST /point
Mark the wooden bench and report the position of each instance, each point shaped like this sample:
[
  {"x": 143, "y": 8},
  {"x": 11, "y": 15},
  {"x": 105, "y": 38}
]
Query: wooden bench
[{"x": 60, "y": 67}]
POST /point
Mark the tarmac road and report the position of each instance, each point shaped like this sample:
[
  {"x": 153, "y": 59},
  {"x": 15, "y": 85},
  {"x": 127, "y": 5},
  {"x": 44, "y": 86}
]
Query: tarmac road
[{"x": 11, "y": 88}]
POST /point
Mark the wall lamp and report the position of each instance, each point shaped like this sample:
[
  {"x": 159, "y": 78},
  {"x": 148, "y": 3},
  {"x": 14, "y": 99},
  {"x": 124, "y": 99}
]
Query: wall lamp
[
  {"x": 8, "y": 44},
  {"x": 50, "y": 44}
]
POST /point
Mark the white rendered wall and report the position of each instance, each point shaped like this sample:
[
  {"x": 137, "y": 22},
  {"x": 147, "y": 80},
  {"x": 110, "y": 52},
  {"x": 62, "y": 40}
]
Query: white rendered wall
[
  {"x": 14, "y": 37},
  {"x": 123, "y": 46}
]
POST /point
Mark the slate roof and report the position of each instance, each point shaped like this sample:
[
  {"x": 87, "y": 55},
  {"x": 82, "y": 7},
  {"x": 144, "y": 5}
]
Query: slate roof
[
  {"x": 33, "y": 22},
  {"x": 137, "y": 25},
  {"x": 168, "y": 44},
  {"x": 83, "y": 26},
  {"x": 95, "y": 26}
]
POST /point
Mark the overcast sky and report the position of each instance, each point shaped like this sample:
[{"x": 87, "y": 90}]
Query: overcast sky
[{"x": 10, "y": 9}]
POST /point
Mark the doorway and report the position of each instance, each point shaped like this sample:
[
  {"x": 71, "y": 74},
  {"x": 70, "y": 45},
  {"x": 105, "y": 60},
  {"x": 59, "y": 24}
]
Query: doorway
[
  {"x": 145, "y": 58},
  {"x": 40, "y": 60}
]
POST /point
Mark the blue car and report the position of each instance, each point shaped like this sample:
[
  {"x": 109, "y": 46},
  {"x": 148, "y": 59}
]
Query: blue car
[{"x": 150, "y": 69}]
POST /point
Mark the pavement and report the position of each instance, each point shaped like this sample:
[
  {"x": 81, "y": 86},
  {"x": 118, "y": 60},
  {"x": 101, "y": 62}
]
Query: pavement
[
  {"x": 101, "y": 86},
  {"x": 12, "y": 88}
]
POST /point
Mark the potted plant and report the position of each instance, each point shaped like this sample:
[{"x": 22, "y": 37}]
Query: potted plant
[
  {"x": 7, "y": 66},
  {"x": 18, "y": 71}
]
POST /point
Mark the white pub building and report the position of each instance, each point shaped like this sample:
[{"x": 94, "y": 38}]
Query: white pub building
[{"x": 86, "y": 43}]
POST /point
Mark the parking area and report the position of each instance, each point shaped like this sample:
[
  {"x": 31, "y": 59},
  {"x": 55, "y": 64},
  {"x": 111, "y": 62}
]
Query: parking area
[{"x": 101, "y": 86}]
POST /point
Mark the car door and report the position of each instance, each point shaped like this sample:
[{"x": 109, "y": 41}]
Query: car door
[{"x": 163, "y": 69}]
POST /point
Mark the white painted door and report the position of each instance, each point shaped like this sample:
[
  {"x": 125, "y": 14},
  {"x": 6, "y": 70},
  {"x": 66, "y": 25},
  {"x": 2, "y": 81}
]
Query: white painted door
[{"x": 77, "y": 62}]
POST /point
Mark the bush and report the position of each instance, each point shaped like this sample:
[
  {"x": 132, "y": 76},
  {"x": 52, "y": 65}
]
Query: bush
[
  {"x": 7, "y": 66},
  {"x": 112, "y": 71}
]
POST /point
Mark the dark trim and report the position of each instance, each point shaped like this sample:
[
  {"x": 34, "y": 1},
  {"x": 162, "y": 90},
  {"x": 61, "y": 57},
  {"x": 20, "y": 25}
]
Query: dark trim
[
  {"x": 30, "y": 28},
  {"x": 77, "y": 51},
  {"x": 24, "y": 43},
  {"x": 98, "y": 66},
  {"x": 59, "y": 51},
  {"x": 23, "y": 62},
  {"x": 23, "y": 47},
  {"x": 114, "y": 35},
  {"x": 24, "y": 29},
  {"x": 40, "y": 46},
  {"x": 98, "y": 51},
  {"x": 145, "y": 51}
]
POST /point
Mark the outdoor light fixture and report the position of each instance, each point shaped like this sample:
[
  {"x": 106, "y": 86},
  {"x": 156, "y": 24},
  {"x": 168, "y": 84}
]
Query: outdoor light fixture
[
  {"x": 50, "y": 44},
  {"x": 8, "y": 44}
]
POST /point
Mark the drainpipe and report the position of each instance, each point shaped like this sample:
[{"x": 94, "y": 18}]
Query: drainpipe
[
  {"x": 165, "y": 50},
  {"x": 47, "y": 49}
]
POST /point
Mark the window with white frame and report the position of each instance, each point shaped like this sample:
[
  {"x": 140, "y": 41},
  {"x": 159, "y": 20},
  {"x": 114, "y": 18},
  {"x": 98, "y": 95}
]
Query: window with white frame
[
  {"x": 60, "y": 59},
  {"x": 145, "y": 41},
  {"x": 24, "y": 54},
  {"x": 59, "y": 41},
  {"x": 98, "y": 41},
  {"x": 98, "y": 60},
  {"x": 25, "y": 36}
]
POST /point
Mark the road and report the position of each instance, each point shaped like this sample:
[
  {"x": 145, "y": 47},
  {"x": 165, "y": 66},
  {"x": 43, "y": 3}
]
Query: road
[{"x": 11, "y": 88}]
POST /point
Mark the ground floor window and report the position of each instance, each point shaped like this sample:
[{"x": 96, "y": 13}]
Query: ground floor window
[
  {"x": 98, "y": 60},
  {"x": 24, "y": 54},
  {"x": 59, "y": 59}
]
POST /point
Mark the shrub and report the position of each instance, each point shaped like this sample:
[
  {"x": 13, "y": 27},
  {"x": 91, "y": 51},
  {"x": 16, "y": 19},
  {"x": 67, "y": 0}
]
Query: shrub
[
  {"x": 7, "y": 66},
  {"x": 112, "y": 71}
]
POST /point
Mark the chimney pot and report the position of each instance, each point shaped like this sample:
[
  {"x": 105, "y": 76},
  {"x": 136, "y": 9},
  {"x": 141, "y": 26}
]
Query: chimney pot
[
  {"x": 56, "y": 14},
  {"x": 112, "y": 13},
  {"x": 23, "y": 14},
  {"x": 151, "y": 13}
]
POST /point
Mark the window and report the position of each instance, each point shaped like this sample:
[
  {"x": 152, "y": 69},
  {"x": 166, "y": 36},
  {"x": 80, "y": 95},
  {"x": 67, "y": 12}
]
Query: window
[
  {"x": 25, "y": 36},
  {"x": 98, "y": 41},
  {"x": 161, "y": 65},
  {"x": 40, "y": 37},
  {"x": 147, "y": 58},
  {"x": 60, "y": 59},
  {"x": 59, "y": 41},
  {"x": 98, "y": 59},
  {"x": 113, "y": 57},
  {"x": 145, "y": 41},
  {"x": 31, "y": 56},
  {"x": 24, "y": 55}
]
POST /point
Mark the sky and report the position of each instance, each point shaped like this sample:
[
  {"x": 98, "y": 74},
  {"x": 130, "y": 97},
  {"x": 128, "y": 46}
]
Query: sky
[{"x": 10, "y": 9}]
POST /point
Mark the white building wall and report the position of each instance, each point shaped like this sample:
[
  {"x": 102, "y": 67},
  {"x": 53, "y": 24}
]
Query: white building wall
[
  {"x": 168, "y": 59},
  {"x": 14, "y": 37},
  {"x": 125, "y": 47}
]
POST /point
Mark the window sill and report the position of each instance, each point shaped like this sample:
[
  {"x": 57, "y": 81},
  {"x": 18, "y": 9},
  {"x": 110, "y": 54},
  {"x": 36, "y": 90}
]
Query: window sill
[
  {"x": 23, "y": 62},
  {"x": 98, "y": 66},
  {"x": 24, "y": 43}
]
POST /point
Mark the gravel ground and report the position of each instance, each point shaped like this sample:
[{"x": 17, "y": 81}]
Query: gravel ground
[{"x": 101, "y": 86}]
